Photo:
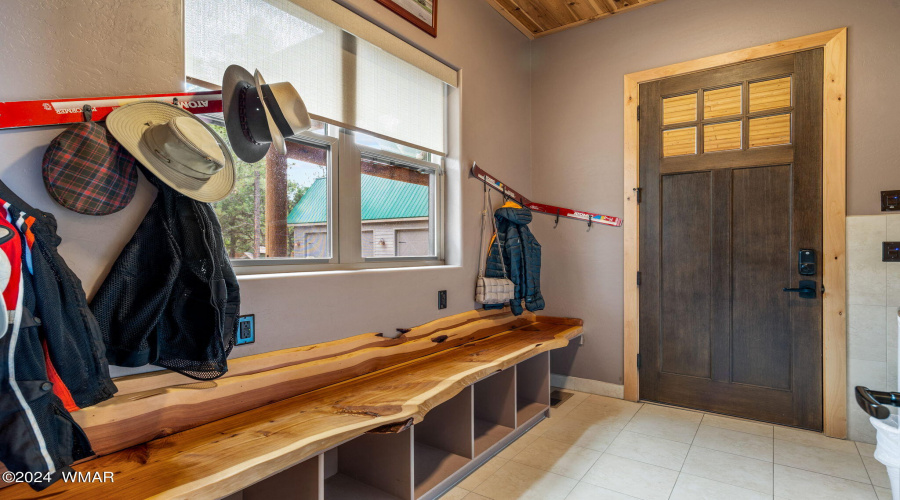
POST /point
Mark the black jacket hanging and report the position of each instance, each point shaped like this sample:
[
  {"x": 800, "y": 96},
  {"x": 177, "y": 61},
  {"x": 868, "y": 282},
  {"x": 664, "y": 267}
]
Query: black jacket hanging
[
  {"x": 171, "y": 298},
  {"x": 51, "y": 353}
]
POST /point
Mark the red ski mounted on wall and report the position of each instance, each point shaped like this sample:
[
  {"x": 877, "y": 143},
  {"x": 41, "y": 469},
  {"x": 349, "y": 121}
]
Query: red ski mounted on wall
[
  {"x": 568, "y": 213},
  {"x": 63, "y": 111}
]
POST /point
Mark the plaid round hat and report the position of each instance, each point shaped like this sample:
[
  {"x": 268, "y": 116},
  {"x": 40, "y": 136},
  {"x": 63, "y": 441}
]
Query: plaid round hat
[{"x": 87, "y": 171}]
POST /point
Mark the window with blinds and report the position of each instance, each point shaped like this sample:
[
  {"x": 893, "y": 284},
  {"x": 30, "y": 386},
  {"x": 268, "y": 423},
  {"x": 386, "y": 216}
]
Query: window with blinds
[
  {"x": 344, "y": 79},
  {"x": 377, "y": 142}
]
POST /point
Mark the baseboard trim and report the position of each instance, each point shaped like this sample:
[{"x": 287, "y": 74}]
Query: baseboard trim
[{"x": 590, "y": 386}]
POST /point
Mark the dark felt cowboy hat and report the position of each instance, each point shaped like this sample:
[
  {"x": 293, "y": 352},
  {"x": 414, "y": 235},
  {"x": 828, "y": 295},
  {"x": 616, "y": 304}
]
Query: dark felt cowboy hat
[{"x": 258, "y": 114}]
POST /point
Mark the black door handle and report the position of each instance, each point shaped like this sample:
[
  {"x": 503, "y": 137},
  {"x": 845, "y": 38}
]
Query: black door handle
[
  {"x": 872, "y": 401},
  {"x": 807, "y": 289}
]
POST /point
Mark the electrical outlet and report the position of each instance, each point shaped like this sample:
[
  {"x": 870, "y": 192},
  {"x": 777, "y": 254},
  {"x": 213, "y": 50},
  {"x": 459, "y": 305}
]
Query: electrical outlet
[
  {"x": 890, "y": 201},
  {"x": 442, "y": 299},
  {"x": 246, "y": 333},
  {"x": 890, "y": 251}
]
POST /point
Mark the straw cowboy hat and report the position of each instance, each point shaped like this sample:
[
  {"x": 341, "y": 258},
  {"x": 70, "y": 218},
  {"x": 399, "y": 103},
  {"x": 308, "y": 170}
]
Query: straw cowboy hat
[
  {"x": 177, "y": 147},
  {"x": 258, "y": 114}
]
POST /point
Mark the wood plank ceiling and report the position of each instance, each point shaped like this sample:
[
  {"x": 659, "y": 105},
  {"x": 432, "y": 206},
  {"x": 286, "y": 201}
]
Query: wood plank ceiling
[{"x": 536, "y": 18}]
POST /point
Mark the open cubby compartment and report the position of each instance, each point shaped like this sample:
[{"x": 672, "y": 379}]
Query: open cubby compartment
[
  {"x": 303, "y": 480},
  {"x": 371, "y": 466},
  {"x": 443, "y": 442},
  {"x": 495, "y": 409},
  {"x": 532, "y": 387}
]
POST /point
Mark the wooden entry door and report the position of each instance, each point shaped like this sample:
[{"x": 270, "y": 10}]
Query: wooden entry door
[{"x": 731, "y": 178}]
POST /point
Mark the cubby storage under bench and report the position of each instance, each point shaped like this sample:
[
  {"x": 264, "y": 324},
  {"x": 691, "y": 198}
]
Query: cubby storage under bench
[{"x": 463, "y": 390}]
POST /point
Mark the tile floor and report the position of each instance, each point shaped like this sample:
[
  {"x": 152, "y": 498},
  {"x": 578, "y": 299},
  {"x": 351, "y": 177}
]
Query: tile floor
[{"x": 598, "y": 448}]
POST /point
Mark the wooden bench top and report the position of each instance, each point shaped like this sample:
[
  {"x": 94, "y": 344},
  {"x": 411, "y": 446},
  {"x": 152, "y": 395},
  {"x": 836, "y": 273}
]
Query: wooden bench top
[{"x": 229, "y": 454}]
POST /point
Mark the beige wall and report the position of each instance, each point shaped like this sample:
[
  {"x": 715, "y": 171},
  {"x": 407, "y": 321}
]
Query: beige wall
[
  {"x": 577, "y": 131},
  {"x": 82, "y": 48}
]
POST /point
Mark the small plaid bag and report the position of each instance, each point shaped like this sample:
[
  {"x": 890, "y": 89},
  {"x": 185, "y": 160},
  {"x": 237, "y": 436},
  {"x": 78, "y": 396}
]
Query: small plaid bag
[{"x": 87, "y": 171}]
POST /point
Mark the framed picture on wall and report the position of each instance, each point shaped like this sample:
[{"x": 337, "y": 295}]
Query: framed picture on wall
[{"x": 422, "y": 13}]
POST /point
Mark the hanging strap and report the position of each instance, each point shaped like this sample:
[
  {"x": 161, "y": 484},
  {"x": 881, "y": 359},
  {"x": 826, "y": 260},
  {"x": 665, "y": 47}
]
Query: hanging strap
[{"x": 485, "y": 204}]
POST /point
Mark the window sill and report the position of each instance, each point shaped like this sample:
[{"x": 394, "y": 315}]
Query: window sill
[{"x": 256, "y": 272}]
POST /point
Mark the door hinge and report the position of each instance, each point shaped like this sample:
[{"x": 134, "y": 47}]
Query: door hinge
[
  {"x": 639, "y": 112},
  {"x": 639, "y": 361},
  {"x": 639, "y": 278},
  {"x": 638, "y": 196}
]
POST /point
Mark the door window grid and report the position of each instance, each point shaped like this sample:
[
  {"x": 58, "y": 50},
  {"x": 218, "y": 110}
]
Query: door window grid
[{"x": 738, "y": 116}]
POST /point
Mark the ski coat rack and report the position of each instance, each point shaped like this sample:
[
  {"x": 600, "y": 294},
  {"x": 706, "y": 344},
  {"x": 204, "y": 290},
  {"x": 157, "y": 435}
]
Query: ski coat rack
[
  {"x": 64, "y": 111},
  {"x": 558, "y": 212}
]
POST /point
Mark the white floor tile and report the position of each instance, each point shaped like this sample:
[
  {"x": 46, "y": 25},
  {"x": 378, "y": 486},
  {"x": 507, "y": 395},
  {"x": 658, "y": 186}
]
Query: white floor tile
[
  {"x": 799, "y": 484},
  {"x": 560, "y": 458},
  {"x": 515, "y": 481},
  {"x": 611, "y": 414},
  {"x": 816, "y": 439},
  {"x": 833, "y": 463},
  {"x": 482, "y": 473},
  {"x": 734, "y": 442},
  {"x": 456, "y": 493},
  {"x": 668, "y": 423},
  {"x": 518, "y": 445},
  {"x": 649, "y": 449},
  {"x": 645, "y": 481},
  {"x": 593, "y": 435},
  {"x": 735, "y": 470},
  {"x": 585, "y": 491},
  {"x": 884, "y": 493},
  {"x": 738, "y": 424},
  {"x": 690, "y": 487},
  {"x": 607, "y": 401},
  {"x": 474, "y": 496},
  {"x": 877, "y": 471}
]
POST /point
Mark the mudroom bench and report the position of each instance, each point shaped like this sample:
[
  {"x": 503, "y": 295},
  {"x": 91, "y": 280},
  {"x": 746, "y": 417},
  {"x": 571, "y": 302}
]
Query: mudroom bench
[{"x": 365, "y": 417}]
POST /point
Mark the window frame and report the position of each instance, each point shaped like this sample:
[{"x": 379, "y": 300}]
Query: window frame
[
  {"x": 435, "y": 172},
  {"x": 331, "y": 222},
  {"x": 344, "y": 219}
]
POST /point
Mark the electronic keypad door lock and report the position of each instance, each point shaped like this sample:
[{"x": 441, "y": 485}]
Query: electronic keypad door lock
[{"x": 806, "y": 262}]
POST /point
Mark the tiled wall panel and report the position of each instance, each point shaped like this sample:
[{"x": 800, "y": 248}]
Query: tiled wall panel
[{"x": 873, "y": 299}]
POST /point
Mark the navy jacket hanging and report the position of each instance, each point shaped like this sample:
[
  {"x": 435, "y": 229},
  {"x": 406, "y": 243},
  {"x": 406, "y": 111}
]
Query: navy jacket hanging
[{"x": 522, "y": 256}]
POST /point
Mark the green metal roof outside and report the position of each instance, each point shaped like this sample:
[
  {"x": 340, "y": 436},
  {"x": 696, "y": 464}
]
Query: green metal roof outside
[{"x": 381, "y": 199}]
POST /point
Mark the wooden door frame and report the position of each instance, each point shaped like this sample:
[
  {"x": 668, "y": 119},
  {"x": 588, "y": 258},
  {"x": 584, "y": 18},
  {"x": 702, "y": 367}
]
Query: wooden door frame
[{"x": 834, "y": 145}]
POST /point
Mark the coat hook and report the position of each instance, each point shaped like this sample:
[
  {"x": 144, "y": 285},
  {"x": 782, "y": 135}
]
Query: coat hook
[
  {"x": 590, "y": 221},
  {"x": 556, "y": 223},
  {"x": 87, "y": 112}
]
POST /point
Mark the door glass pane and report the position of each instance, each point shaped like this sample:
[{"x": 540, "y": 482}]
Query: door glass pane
[
  {"x": 722, "y": 102},
  {"x": 721, "y": 136},
  {"x": 770, "y": 130},
  {"x": 396, "y": 211},
  {"x": 680, "y": 141},
  {"x": 770, "y": 94},
  {"x": 680, "y": 109}
]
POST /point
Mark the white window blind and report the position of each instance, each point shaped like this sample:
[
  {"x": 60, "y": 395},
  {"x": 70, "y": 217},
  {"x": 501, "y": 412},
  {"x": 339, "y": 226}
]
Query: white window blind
[{"x": 343, "y": 79}]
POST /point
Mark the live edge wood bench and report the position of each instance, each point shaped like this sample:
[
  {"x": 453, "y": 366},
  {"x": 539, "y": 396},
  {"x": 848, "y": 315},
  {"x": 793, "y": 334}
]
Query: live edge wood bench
[{"x": 339, "y": 420}]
